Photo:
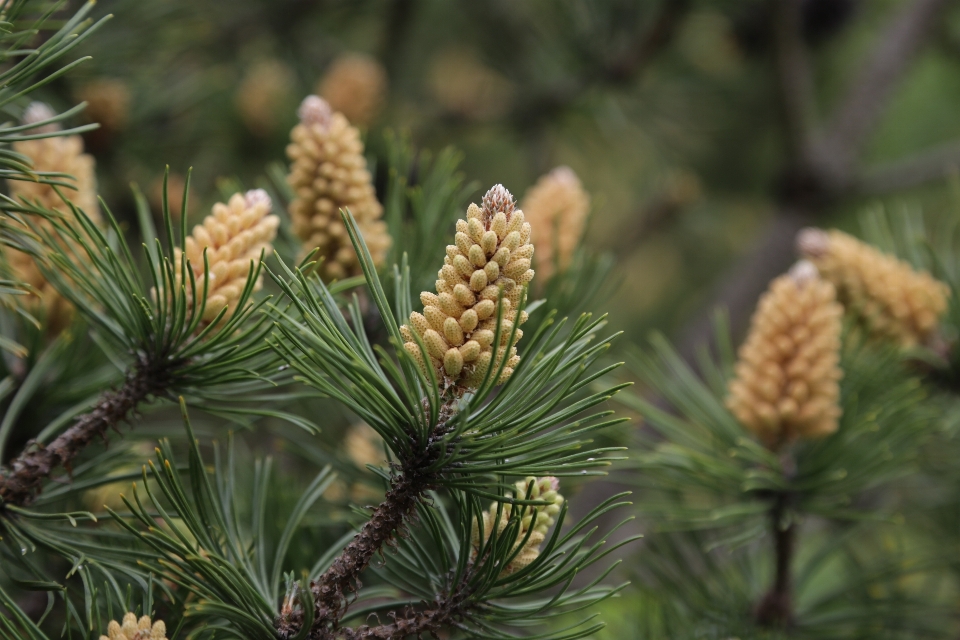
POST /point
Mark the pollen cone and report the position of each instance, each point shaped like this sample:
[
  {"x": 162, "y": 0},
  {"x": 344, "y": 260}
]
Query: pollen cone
[
  {"x": 233, "y": 236},
  {"x": 459, "y": 322},
  {"x": 355, "y": 85},
  {"x": 133, "y": 629},
  {"x": 546, "y": 489},
  {"x": 786, "y": 383},
  {"x": 892, "y": 299},
  {"x": 556, "y": 207},
  {"x": 61, "y": 154},
  {"x": 328, "y": 172}
]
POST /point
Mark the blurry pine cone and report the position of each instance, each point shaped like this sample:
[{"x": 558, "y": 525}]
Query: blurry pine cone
[
  {"x": 355, "y": 85},
  {"x": 363, "y": 445},
  {"x": 108, "y": 103},
  {"x": 234, "y": 236},
  {"x": 263, "y": 93},
  {"x": 328, "y": 172},
  {"x": 546, "y": 489},
  {"x": 465, "y": 87},
  {"x": 892, "y": 299},
  {"x": 458, "y": 323},
  {"x": 133, "y": 629},
  {"x": 786, "y": 382},
  {"x": 556, "y": 207},
  {"x": 63, "y": 154}
]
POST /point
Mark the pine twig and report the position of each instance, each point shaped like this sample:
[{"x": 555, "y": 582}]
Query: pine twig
[
  {"x": 407, "y": 489},
  {"x": 20, "y": 484},
  {"x": 776, "y": 607},
  {"x": 447, "y": 608}
]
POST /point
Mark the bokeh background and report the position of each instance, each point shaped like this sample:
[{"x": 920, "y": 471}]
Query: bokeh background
[
  {"x": 672, "y": 113},
  {"x": 707, "y": 132}
]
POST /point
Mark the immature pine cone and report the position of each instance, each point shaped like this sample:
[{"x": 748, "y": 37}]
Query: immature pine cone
[
  {"x": 545, "y": 489},
  {"x": 133, "y": 629},
  {"x": 892, "y": 299},
  {"x": 233, "y": 236},
  {"x": 355, "y": 85},
  {"x": 556, "y": 207},
  {"x": 787, "y": 376},
  {"x": 60, "y": 154},
  {"x": 329, "y": 173},
  {"x": 492, "y": 252}
]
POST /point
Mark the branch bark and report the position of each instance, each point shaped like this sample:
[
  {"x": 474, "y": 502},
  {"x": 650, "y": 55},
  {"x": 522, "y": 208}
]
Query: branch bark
[
  {"x": 447, "y": 608},
  {"x": 776, "y": 608},
  {"x": 331, "y": 590},
  {"x": 20, "y": 483}
]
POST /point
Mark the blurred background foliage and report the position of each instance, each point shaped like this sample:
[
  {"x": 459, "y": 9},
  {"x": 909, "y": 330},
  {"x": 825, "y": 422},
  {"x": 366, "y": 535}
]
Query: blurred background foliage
[
  {"x": 666, "y": 110},
  {"x": 679, "y": 117}
]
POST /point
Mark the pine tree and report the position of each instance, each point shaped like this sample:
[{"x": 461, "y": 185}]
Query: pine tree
[{"x": 211, "y": 539}]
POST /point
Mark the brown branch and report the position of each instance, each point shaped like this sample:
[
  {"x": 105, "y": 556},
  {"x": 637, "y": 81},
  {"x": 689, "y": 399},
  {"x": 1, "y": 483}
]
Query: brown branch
[
  {"x": 927, "y": 166},
  {"x": 776, "y": 607},
  {"x": 20, "y": 483},
  {"x": 331, "y": 590},
  {"x": 447, "y": 608},
  {"x": 858, "y": 113}
]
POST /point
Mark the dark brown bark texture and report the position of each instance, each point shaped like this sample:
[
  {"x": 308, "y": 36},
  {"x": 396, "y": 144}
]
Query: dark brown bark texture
[
  {"x": 21, "y": 482},
  {"x": 447, "y": 609},
  {"x": 331, "y": 590}
]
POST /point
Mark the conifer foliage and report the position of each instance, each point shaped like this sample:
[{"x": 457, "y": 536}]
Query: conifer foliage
[{"x": 185, "y": 331}]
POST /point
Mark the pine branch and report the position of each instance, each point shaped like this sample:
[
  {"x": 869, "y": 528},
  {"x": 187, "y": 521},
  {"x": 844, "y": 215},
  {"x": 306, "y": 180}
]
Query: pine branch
[
  {"x": 20, "y": 484},
  {"x": 776, "y": 607},
  {"x": 448, "y": 608},
  {"x": 407, "y": 489}
]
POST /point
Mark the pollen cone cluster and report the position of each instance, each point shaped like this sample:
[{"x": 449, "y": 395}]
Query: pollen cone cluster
[
  {"x": 329, "y": 173},
  {"x": 355, "y": 85},
  {"x": 459, "y": 322},
  {"x": 787, "y": 375},
  {"x": 233, "y": 236},
  {"x": 892, "y": 299},
  {"x": 545, "y": 489},
  {"x": 556, "y": 207},
  {"x": 133, "y": 629},
  {"x": 62, "y": 154}
]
